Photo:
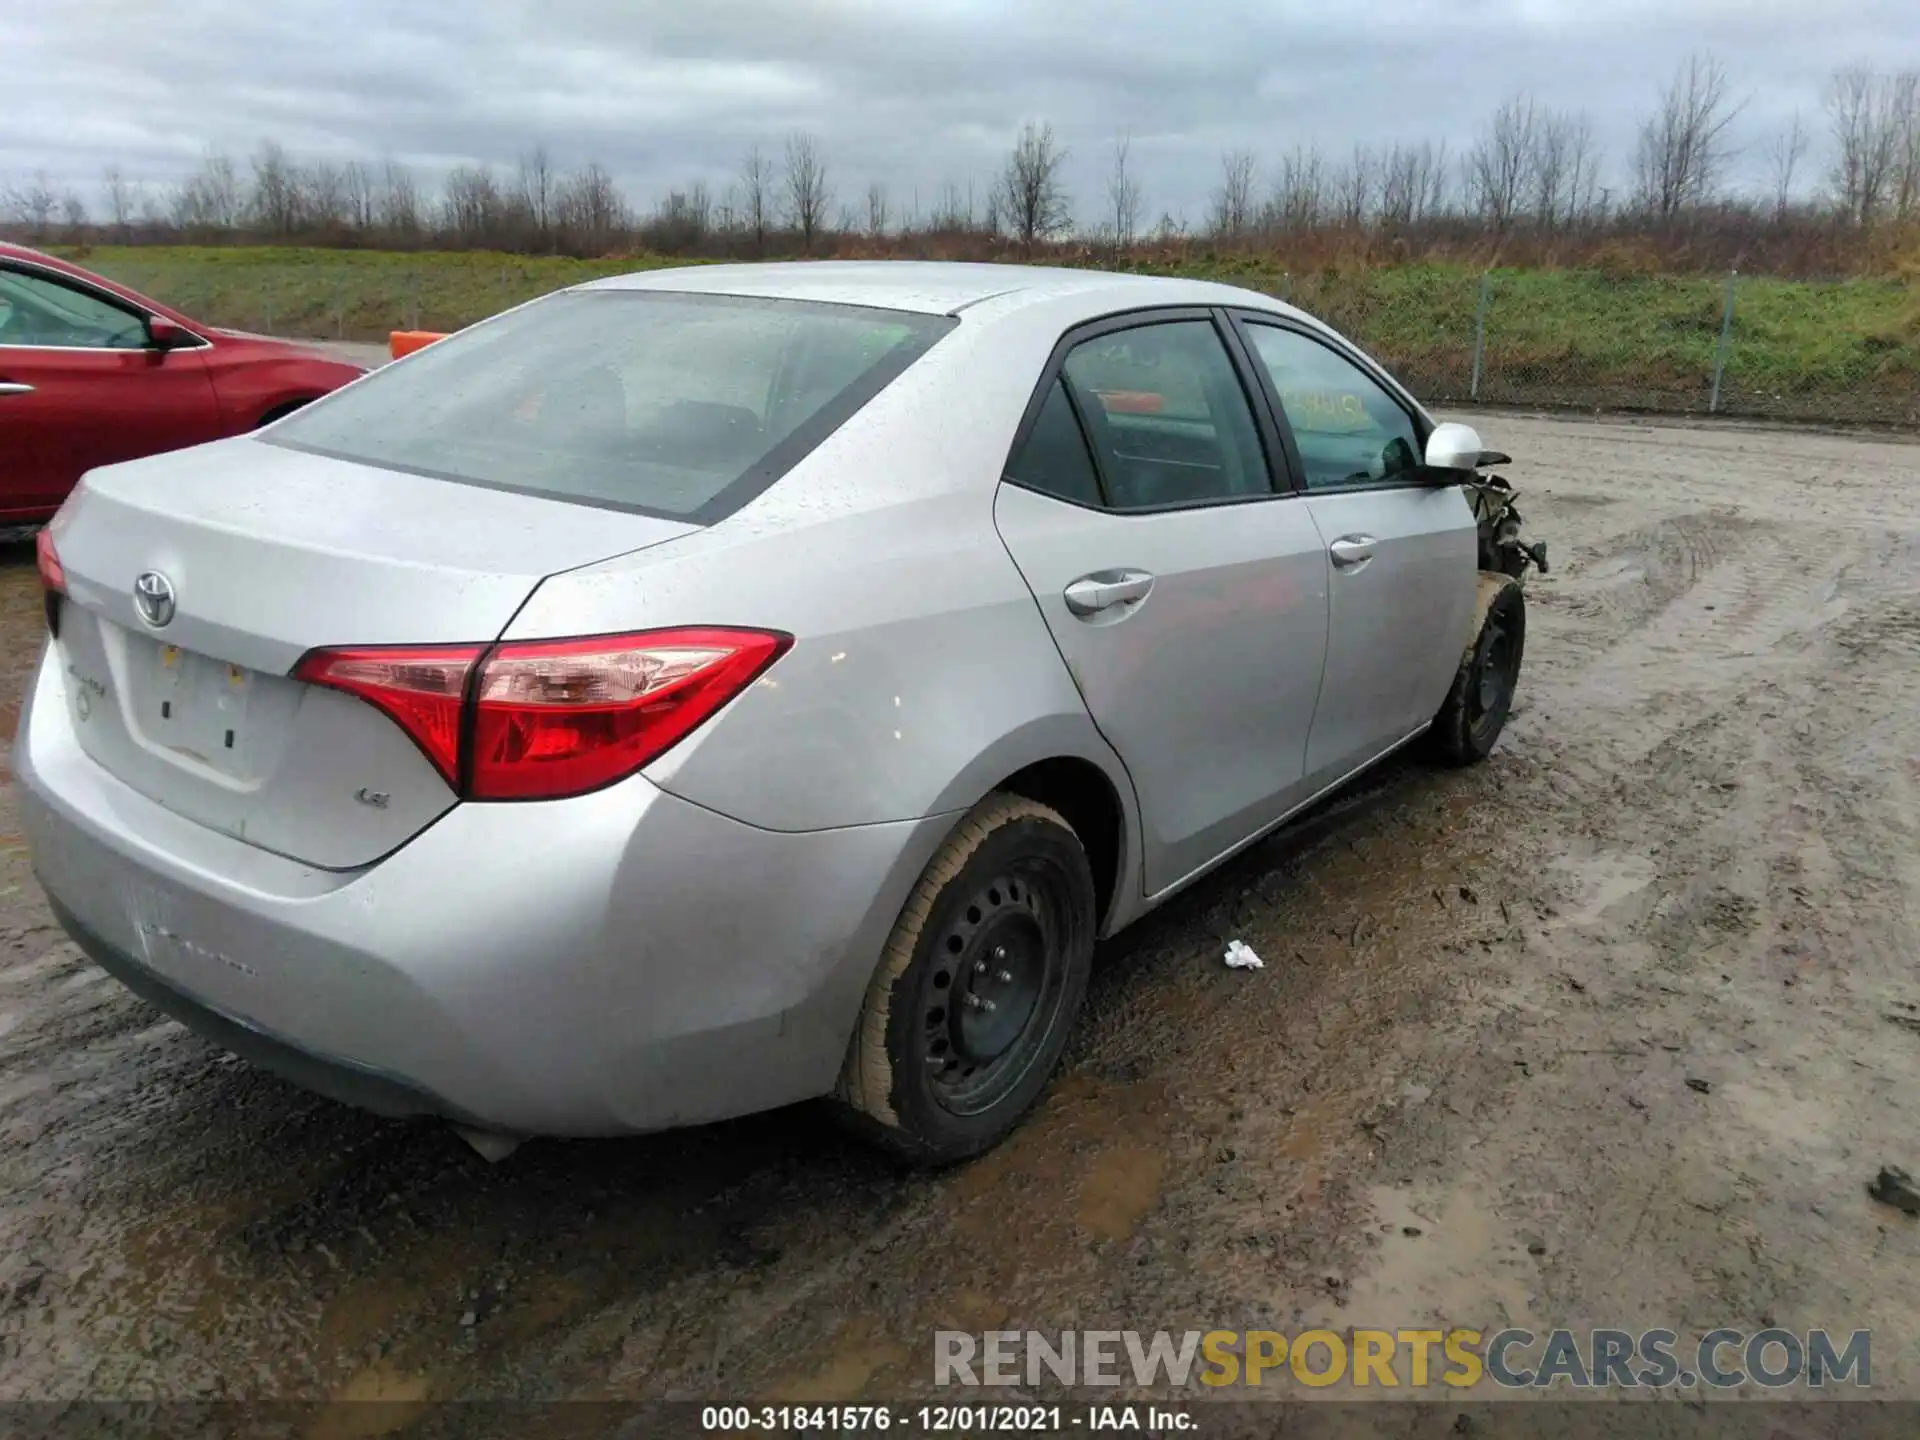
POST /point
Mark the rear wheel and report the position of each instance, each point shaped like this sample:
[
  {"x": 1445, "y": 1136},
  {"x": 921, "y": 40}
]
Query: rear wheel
[
  {"x": 983, "y": 975},
  {"x": 1477, "y": 706}
]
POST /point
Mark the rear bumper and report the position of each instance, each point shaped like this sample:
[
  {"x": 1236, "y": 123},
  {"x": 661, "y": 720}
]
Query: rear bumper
[
  {"x": 619, "y": 962},
  {"x": 342, "y": 1080}
]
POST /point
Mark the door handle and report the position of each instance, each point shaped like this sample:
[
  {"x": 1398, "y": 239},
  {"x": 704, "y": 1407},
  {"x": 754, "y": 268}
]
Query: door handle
[
  {"x": 14, "y": 387},
  {"x": 1350, "y": 550},
  {"x": 1105, "y": 589}
]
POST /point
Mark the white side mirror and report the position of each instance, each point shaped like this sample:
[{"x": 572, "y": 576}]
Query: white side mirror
[{"x": 1453, "y": 447}]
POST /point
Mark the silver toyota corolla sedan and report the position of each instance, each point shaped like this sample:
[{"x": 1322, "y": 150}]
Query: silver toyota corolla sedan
[{"x": 715, "y": 688}]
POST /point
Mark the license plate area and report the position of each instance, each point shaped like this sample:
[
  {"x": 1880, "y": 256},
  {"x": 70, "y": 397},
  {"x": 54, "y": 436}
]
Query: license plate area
[{"x": 200, "y": 707}]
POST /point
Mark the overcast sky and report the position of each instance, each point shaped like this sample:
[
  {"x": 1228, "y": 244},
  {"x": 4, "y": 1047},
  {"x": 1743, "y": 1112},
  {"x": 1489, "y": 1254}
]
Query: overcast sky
[{"x": 902, "y": 91}]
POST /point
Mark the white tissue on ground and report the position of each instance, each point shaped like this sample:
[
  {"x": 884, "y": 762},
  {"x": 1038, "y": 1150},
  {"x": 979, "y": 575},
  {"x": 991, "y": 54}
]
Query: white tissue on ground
[{"x": 1241, "y": 957}]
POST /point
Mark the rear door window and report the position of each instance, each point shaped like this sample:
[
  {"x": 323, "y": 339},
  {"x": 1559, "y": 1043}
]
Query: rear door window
[
  {"x": 684, "y": 406},
  {"x": 1054, "y": 458},
  {"x": 1167, "y": 415}
]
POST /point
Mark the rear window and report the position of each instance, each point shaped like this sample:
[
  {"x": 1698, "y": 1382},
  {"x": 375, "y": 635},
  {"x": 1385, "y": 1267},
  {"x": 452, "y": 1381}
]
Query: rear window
[{"x": 670, "y": 404}]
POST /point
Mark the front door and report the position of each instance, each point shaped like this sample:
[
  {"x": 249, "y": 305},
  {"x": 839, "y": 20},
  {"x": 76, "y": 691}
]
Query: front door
[
  {"x": 1400, "y": 550},
  {"x": 1187, "y": 596},
  {"x": 79, "y": 388}
]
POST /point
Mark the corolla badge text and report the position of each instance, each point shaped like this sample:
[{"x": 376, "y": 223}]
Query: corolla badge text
[
  {"x": 153, "y": 598},
  {"x": 86, "y": 691}
]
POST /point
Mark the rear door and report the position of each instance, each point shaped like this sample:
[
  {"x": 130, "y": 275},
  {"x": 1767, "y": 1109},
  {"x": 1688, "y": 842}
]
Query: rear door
[
  {"x": 80, "y": 388},
  {"x": 1399, "y": 551},
  {"x": 1186, "y": 595}
]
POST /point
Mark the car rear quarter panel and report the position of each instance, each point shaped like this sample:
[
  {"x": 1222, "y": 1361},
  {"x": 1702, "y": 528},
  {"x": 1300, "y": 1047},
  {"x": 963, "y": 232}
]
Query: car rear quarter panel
[{"x": 922, "y": 674}]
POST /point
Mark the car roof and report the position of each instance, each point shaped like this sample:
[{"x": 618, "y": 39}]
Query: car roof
[
  {"x": 934, "y": 287},
  {"x": 11, "y": 251}
]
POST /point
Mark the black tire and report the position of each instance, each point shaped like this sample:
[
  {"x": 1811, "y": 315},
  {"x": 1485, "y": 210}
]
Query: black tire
[
  {"x": 978, "y": 989},
  {"x": 1476, "y": 708}
]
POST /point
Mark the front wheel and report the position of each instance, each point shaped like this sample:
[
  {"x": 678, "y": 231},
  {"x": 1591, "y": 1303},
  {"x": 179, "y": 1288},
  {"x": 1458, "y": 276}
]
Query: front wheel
[
  {"x": 982, "y": 977},
  {"x": 1476, "y": 708}
]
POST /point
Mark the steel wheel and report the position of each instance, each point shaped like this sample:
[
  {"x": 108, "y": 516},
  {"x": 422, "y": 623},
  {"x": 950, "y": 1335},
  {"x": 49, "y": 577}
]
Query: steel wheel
[
  {"x": 999, "y": 978},
  {"x": 967, "y": 1014},
  {"x": 1476, "y": 708}
]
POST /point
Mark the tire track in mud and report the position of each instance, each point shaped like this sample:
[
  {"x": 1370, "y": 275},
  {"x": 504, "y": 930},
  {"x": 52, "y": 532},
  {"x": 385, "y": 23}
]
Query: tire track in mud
[{"x": 1728, "y": 759}]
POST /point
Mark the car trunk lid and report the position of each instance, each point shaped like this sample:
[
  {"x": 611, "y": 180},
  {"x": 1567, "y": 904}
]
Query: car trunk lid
[{"x": 265, "y": 553}]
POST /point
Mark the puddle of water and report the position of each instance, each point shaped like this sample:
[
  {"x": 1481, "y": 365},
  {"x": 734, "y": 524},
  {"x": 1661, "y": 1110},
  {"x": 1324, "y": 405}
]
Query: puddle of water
[
  {"x": 1605, "y": 880},
  {"x": 1465, "y": 1266}
]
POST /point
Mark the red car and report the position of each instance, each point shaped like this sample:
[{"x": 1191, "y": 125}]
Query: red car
[{"x": 91, "y": 373}]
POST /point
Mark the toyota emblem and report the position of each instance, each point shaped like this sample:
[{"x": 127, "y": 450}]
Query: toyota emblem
[{"x": 153, "y": 597}]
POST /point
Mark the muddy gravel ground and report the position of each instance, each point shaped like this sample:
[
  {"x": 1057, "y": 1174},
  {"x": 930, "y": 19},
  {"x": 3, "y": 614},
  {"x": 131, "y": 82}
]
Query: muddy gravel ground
[{"x": 1611, "y": 1031}]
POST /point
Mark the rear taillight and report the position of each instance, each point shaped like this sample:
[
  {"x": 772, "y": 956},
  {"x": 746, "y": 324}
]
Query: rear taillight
[
  {"x": 543, "y": 719},
  {"x": 53, "y": 578},
  {"x": 46, "y": 560},
  {"x": 422, "y": 688}
]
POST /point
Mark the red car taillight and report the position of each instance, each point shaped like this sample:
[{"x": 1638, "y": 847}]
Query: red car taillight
[
  {"x": 53, "y": 579},
  {"x": 544, "y": 719},
  {"x": 422, "y": 688}
]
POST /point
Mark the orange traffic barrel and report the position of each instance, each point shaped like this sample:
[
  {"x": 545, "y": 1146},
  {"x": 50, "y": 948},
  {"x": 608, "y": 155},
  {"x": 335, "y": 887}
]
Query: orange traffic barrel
[{"x": 405, "y": 342}]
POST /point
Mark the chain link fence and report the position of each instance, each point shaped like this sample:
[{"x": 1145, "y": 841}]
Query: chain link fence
[{"x": 1841, "y": 351}]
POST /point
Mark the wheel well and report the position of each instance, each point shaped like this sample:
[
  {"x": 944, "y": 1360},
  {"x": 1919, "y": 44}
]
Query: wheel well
[
  {"x": 1085, "y": 798},
  {"x": 284, "y": 409}
]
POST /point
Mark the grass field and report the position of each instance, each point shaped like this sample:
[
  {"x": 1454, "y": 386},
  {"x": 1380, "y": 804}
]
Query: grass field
[{"x": 1847, "y": 350}]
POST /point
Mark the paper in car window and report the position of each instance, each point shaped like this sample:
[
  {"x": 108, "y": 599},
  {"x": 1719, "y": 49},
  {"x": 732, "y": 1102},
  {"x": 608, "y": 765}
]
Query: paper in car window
[{"x": 1327, "y": 411}]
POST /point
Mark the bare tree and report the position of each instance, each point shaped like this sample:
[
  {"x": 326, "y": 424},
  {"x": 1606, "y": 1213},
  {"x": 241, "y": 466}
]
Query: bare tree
[
  {"x": 274, "y": 204},
  {"x": 33, "y": 205},
  {"x": 1684, "y": 147},
  {"x": 1124, "y": 199},
  {"x": 1563, "y": 170},
  {"x": 1299, "y": 200},
  {"x": 208, "y": 200},
  {"x": 1863, "y": 142},
  {"x": 472, "y": 208},
  {"x": 684, "y": 219},
  {"x": 876, "y": 210},
  {"x": 1412, "y": 183},
  {"x": 808, "y": 194},
  {"x": 357, "y": 180},
  {"x": 119, "y": 200},
  {"x": 322, "y": 189},
  {"x": 536, "y": 197},
  {"x": 590, "y": 211},
  {"x": 991, "y": 214},
  {"x": 399, "y": 202},
  {"x": 1906, "y": 189},
  {"x": 756, "y": 196},
  {"x": 1232, "y": 215},
  {"x": 1354, "y": 188},
  {"x": 1784, "y": 152},
  {"x": 1031, "y": 197},
  {"x": 73, "y": 216},
  {"x": 952, "y": 211},
  {"x": 1498, "y": 170},
  {"x": 1875, "y": 120}
]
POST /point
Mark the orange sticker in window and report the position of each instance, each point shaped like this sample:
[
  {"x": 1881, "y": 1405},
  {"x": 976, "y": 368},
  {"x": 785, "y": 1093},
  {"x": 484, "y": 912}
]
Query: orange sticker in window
[{"x": 1131, "y": 402}]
